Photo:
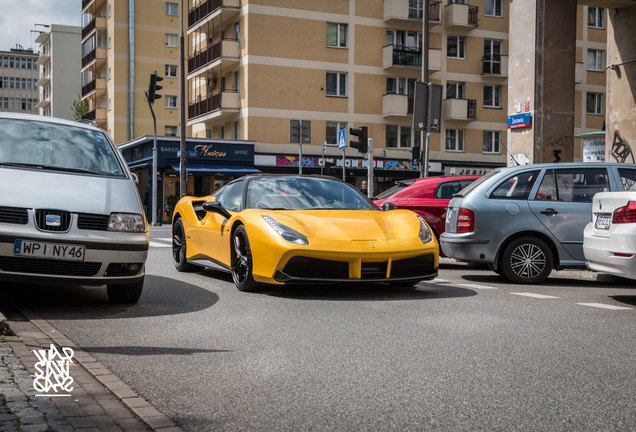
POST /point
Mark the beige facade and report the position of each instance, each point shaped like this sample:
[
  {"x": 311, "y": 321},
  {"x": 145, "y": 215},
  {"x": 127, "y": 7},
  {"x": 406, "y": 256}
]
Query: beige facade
[
  {"x": 18, "y": 77},
  {"x": 118, "y": 58},
  {"x": 59, "y": 64}
]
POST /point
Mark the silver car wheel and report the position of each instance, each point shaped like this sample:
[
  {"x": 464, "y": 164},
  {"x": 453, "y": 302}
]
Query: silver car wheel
[{"x": 527, "y": 261}]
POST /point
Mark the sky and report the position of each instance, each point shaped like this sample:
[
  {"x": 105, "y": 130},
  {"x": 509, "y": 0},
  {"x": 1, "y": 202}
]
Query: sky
[{"x": 18, "y": 18}]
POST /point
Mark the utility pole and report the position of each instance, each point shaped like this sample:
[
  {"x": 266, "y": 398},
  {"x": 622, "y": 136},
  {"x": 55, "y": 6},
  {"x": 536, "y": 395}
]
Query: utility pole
[
  {"x": 370, "y": 168},
  {"x": 183, "y": 173},
  {"x": 425, "y": 137},
  {"x": 300, "y": 147}
]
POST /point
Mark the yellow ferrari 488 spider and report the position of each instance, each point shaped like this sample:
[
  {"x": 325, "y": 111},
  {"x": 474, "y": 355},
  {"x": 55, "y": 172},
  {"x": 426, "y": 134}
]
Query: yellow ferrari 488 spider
[{"x": 277, "y": 229}]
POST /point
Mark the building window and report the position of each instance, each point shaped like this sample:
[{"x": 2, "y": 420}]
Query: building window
[
  {"x": 455, "y": 90},
  {"x": 172, "y": 40},
  {"x": 596, "y": 17},
  {"x": 171, "y": 101},
  {"x": 399, "y": 136},
  {"x": 336, "y": 84},
  {"x": 337, "y": 35},
  {"x": 402, "y": 39},
  {"x": 171, "y": 131},
  {"x": 171, "y": 71},
  {"x": 331, "y": 133},
  {"x": 416, "y": 9},
  {"x": 595, "y": 60},
  {"x": 493, "y": 8},
  {"x": 492, "y": 142},
  {"x": 455, "y": 47},
  {"x": 235, "y": 130},
  {"x": 172, "y": 9},
  {"x": 492, "y": 96},
  {"x": 400, "y": 86},
  {"x": 594, "y": 103},
  {"x": 454, "y": 140}
]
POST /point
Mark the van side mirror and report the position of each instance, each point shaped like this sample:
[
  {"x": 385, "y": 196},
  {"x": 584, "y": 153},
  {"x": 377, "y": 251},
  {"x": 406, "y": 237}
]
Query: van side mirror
[
  {"x": 388, "y": 206},
  {"x": 216, "y": 207}
]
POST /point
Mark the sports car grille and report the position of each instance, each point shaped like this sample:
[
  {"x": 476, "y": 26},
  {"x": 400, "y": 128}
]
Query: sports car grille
[
  {"x": 89, "y": 221},
  {"x": 59, "y": 220},
  {"x": 45, "y": 266},
  {"x": 417, "y": 266},
  {"x": 314, "y": 268},
  {"x": 14, "y": 215},
  {"x": 373, "y": 270}
]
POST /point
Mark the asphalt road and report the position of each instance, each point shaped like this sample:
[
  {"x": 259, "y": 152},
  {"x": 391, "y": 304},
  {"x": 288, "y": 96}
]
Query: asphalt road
[{"x": 467, "y": 352}]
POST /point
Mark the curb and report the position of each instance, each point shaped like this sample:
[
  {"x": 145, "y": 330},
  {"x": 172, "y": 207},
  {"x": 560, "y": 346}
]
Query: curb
[
  {"x": 146, "y": 412},
  {"x": 4, "y": 325}
]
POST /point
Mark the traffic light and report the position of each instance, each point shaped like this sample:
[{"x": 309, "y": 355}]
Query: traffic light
[
  {"x": 362, "y": 134},
  {"x": 153, "y": 88}
]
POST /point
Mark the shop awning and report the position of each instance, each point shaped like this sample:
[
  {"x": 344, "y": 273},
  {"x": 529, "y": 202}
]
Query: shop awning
[{"x": 211, "y": 168}]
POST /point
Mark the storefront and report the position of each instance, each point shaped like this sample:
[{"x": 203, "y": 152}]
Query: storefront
[{"x": 210, "y": 164}]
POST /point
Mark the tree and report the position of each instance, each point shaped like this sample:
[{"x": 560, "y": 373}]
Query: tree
[{"x": 80, "y": 107}]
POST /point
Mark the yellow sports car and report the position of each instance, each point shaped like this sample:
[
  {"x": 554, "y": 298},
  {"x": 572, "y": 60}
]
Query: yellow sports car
[{"x": 275, "y": 229}]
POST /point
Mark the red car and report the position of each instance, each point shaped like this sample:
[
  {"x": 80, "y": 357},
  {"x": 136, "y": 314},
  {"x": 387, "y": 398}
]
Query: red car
[{"x": 428, "y": 197}]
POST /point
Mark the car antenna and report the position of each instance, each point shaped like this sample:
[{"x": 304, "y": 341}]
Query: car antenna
[{"x": 507, "y": 151}]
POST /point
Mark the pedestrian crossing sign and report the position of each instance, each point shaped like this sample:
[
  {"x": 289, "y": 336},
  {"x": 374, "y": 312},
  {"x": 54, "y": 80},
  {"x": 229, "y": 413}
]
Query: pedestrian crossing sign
[{"x": 342, "y": 139}]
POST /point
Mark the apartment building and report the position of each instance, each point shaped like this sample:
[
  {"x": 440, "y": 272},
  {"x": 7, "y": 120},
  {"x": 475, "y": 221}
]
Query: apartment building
[
  {"x": 59, "y": 64},
  {"x": 18, "y": 77},
  {"x": 122, "y": 43}
]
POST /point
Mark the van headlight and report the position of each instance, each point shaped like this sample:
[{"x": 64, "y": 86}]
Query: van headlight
[
  {"x": 126, "y": 222},
  {"x": 286, "y": 232},
  {"x": 425, "y": 232}
]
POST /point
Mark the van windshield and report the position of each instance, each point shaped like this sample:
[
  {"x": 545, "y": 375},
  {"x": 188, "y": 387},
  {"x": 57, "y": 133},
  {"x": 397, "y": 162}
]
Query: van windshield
[
  {"x": 473, "y": 185},
  {"x": 58, "y": 147}
]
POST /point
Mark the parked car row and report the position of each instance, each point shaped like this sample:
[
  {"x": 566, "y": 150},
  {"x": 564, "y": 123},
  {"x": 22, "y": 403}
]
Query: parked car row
[{"x": 527, "y": 220}]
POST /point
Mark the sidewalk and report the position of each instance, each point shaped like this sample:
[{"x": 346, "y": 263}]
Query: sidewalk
[{"x": 99, "y": 400}]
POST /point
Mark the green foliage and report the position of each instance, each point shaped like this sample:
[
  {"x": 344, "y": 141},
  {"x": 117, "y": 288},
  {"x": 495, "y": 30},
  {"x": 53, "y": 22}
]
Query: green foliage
[{"x": 80, "y": 107}]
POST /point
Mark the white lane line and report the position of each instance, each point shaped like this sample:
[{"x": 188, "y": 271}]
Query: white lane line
[
  {"x": 604, "y": 306},
  {"x": 159, "y": 245},
  {"x": 164, "y": 239},
  {"x": 438, "y": 280},
  {"x": 539, "y": 296},
  {"x": 476, "y": 286}
]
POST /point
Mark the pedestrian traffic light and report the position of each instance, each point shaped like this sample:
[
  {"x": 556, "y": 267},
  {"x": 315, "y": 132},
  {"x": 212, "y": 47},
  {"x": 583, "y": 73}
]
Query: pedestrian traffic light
[
  {"x": 361, "y": 143},
  {"x": 153, "y": 88}
]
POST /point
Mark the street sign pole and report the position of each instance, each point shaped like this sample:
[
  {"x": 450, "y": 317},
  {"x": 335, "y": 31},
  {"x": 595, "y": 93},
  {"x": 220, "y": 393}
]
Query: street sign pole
[
  {"x": 324, "y": 148},
  {"x": 425, "y": 136},
  {"x": 154, "y": 168},
  {"x": 300, "y": 146},
  {"x": 370, "y": 168},
  {"x": 343, "y": 165}
]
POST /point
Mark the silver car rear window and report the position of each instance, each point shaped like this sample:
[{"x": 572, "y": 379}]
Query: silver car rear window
[
  {"x": 54, "y": 146},
  {"x": 473, "y": 185}
]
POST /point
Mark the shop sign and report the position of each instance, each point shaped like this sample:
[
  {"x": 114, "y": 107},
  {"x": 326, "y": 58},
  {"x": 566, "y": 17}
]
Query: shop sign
[
  {"x": 594, "y": 150},
  {"x": 317, "y": 162},
  {"x": 519, "y": 120}
]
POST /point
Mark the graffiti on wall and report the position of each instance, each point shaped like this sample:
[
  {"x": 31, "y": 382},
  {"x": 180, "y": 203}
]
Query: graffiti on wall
[{"x": 621, "y": 150}]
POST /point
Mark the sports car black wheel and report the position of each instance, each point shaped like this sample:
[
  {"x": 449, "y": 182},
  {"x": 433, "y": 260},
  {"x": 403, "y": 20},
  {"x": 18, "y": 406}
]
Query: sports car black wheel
[
  {"x": 242, "y": 261},
  {"x": 526, "y": 260},
  {"x": 179, "y": 248}
]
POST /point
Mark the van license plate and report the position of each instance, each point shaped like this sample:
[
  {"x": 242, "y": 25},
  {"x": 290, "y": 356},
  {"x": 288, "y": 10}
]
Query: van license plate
[
  {"x": 59, "y": 251},
  {"x": 603, "y": 221}
]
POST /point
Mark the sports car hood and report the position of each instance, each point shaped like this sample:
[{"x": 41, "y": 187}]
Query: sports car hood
[
  {"x": 352, "y": 225},
  {"x": 32, "y": 188}
]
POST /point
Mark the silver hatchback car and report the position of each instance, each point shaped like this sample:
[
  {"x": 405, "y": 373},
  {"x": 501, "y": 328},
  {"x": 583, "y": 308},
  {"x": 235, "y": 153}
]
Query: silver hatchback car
[
  {"x": 527, "y": 220},
  {"x": 69, "y": 208}
]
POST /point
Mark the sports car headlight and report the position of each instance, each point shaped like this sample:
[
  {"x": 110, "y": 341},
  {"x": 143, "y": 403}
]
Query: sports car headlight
[
  {"x": 286, "y": 232},
  {"x": 425, "y": 232},
  {"x": 126, "y": 222}
]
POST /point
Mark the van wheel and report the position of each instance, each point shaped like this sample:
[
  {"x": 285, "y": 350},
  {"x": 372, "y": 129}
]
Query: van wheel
[
  {"x": 526, "y": 260},
  {"x": 125, "y": 293}
]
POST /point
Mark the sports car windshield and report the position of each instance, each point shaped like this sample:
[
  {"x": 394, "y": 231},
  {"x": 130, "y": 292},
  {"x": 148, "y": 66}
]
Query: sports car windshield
[
  {"x": 50, "y": 146},
  {"x": 304, "y": 193}
]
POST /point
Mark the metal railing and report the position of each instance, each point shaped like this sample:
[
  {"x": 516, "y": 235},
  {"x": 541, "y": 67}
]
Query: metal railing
[
  {"x": 200, "y": 59},
  {"x": 88, "y": 87},
  {"x": 89, "y": 115},
  {"x": 86, "y": 3},
  {"x": 205, "y": 8},
  {"x": 211, "y": 103},
  {"x": 471, "y": 112},
  {"x": 473, "y": 15},
  {"x": 406, "y": 56},
  {"x": 89, "y": 28},
  {"x": 89, "y": 57}
]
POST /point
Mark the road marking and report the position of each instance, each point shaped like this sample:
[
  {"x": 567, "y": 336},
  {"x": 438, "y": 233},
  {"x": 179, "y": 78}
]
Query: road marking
[
  {"x": 159, "y": 245},
  {"x": 164, "y": 239},
  {"x": 438, "y": 280},
  {"x": 539, "y": 296},
  {"x": 604, "y": 306},
  {"x": 477, "y": 286}
]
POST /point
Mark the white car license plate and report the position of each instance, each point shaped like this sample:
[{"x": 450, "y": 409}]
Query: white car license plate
[
  {"x": 603, "y": 221},
  {"x": 59, "y": 251}
]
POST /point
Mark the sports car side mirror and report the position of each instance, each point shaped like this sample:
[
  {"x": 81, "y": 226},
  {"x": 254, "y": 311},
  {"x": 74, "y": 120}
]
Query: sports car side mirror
[
  {"x": 216, "y": 207},
  {"x": 387, "y": 206}
]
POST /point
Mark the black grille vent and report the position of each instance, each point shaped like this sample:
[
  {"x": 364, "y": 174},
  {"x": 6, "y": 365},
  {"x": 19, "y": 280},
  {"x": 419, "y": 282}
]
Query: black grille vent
[
  {"x": 373, "y": 270},
  {"x": 89, "y": 221},
  {"x": 123, "y": 269},
  {"x": 314, "y": 268},
  {"x": 64, "y": 220},
  {"x": 412, "y": 267},
  {"x": 13, "y": 215},
  {"x": 46, "y": 266}
]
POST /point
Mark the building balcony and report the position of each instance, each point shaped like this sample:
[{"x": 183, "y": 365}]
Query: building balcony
[
  {"x": 92, "y": 4},
  {"x": 396, "y": 105},
  {"x": 215, "y": 106},
  {"x": 97, "y": 115},
  {"x": 580, "y": 72},
  {"x": 97, "y": 57},
  {"x": 224, "y": 52},
  {"x": 494, "y": 66},
  {"x": 207, "y": 9},
  {"x": 44, "y": 103},
  {"x": 434, "y": 59},
  {"x": 98, "y": 23},
  {"x": 397, "y": 12},
  {"x": 397, "y": 58},
  {"x": 458, "y": 16},
  {"x": 43, "y": 59},
  {"x": 460, "y": 109},
  {"x": 44, "y": 81}
]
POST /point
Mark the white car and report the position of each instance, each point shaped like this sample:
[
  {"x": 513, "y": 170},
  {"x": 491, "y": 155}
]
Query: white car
[{"x": 609, "y": 241}]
